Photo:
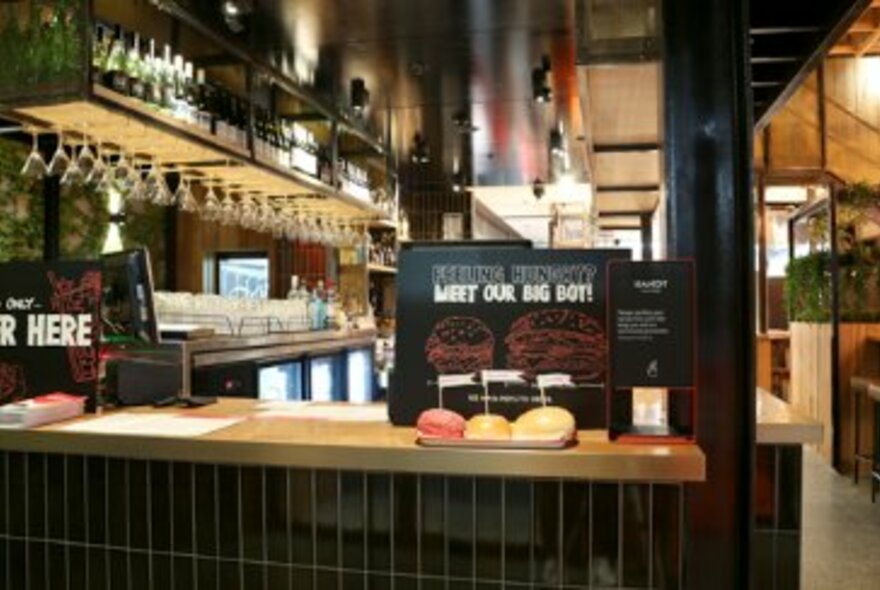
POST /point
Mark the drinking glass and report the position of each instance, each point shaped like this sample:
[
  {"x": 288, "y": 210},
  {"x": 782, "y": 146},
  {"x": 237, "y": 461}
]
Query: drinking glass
[
  {"x": 228, "y": 210},
  {"x": 98, "y": 171},
  {"x": 184, "y": 197},
  {"x": 34, "y": 166},
  {"x": 86, "y": 159},
  {"x": 73, "y": 174},
  {"x": 211, "y": 209},
  {"x": 122, "y": 168},
  {"x": 60, "y": 160}
]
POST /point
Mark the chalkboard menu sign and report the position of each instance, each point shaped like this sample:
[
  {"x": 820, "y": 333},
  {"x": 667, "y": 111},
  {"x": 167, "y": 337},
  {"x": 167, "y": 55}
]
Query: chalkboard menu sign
[
  {"x": 49, "y": 328},
  {"x": 464, "y": 311},
  {"x": 651, "y": 324}
]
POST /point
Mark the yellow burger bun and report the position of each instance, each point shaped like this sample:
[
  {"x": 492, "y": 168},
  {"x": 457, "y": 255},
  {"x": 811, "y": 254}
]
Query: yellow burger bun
[
  {"x": 548, "y": 423},
  {"x": 487, "y": 427}
]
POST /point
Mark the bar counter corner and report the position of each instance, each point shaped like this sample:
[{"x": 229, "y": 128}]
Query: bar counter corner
[{"x": 280, "y": 503}]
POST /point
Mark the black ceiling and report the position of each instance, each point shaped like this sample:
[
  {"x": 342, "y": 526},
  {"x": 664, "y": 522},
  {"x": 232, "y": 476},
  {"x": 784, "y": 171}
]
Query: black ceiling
[{"x": 425, "y": 61}]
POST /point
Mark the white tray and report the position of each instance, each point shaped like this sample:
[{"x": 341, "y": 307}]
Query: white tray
[{"x": 496, "y": 444}]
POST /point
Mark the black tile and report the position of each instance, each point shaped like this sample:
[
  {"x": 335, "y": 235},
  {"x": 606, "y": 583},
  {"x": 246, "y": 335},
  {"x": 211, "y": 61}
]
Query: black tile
[
  {"x": 182, "y": 507},
  {"x": 205, "y": 512},
  {"x": 433, "y": 526},
  {"x": 432, "y": 584},
  {"x": 96, "y": 492},
  {"x": 576, "y": 533},
  {"x": 379, "y": 522},
  {"x": 208, "y": 571},
  {"x": 278, "y": 577},
  {"x": 326, "y": 518},
  {"x": 76, "y": 577},
  {"x": 160, "y": 571},
  {"x": 254, "y": 576},
  {"x": 4, "y": 563},
  {"x": 17, "y": 495},
  {"x": 788, "y": 560},
  {"x": 76, "y": 498},
  {"x": 518, "y": 525},
  {"x": 37, "y": 574},
  {"x": 230, "y": 575},
  {"x": 117, "y": 502},
  {"x": 140, "y": 570},
  {"x": 547, "y": 533},
  {"x": 17, "y": 564},
  {"x": 138, "y": 500},
  {"x": 353, "y": 581},
  {"x": 353, "y": 518},
  {"x": 488, "y": 527},
  {"x": 605, "y": 521},
  {"x": 461, "y": 585},
  {"x": 55, "y": 496},
  {"x": 487, "y": 586},
  {"x": 36, "y": 474},
  {"x": 252, "y": 518},
  {"x": 636, "y": 543},
  {"x": 228, "y": 492},
  {"x": 302, "y": 578},
  {"x": 406, "y": 583},
  {"x": 790, "y": 470},
  {"x": 327, "y": 579},
  {"x": 57, "y": 566},
  {"x": 4, "y": 514},
  {"x": 277, "y": 521},
  {"x": 118, "y": 569},
  {"x": 460, "y": 523},
  {"x": 763, "y": 570},
  {"x": 301, "y": 517},
  {"x": 668, "y": 536},
  {"x": 765, "y": 486},
  {"x": 97, "y": 568},
  {"x": 406, "y": 523},
  {"x": 379, "y": 582},
  {"x": 160, "y": 506},
  {"x": 183, "y": 572}
]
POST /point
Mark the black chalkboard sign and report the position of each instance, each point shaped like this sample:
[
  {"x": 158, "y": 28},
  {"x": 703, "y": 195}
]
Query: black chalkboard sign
[
  {"x": 465, "y": 310},
  {"x": 651, "y": 324},
  {"x": 49, "y": 328}
]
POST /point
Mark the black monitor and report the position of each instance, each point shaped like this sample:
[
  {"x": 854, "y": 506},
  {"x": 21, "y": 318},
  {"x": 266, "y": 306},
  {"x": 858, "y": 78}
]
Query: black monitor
[{"x": 128, "y": 314}]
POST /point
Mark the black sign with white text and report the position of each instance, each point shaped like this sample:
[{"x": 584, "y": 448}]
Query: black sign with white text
[
  {"x": 461, "y": 311},
  {"x": 651, "y": 324},
  {"x": 49, "y": 328}
]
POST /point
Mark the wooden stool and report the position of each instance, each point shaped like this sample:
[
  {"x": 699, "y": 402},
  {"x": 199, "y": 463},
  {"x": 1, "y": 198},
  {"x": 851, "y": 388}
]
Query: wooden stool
[
  {"x": 874, "y": 396},
  {"x": 859, "y": 386}
]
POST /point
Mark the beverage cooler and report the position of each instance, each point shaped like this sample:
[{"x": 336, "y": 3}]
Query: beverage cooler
[{"x": 346, "y": 375}]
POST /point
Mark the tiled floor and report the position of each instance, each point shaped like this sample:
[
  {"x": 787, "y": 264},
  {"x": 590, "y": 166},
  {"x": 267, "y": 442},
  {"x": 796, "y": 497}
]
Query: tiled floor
[{"x": 841, "y": 543}]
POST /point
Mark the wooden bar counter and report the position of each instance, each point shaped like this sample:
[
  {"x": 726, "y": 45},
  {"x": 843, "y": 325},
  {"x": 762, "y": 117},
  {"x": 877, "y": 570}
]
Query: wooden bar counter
[{"x": 280, "y": 503}]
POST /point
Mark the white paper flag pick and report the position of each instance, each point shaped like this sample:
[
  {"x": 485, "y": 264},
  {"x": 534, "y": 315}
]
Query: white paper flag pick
[
  {"x": 501, "y": 376},
  {"x": 554, "y": 380},
  {"x": 457, "y": 380}
]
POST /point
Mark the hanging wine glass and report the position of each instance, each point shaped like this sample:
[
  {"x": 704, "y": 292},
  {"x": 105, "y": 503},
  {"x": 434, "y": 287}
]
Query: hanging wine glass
[
  {"x": 34, "y": 166},
  {"x": 248, "y": 212},
  {"x": 60, "y": 160},
  {"x": 163, "y": 195},
  {"x": 86, "y": 159},
  {"x": 99, "y": 168},
  {"x": 73, "y": 174},
  {"x": 210, "y": 210},
  {"x": 228, "y": 210},
  {"x": 122, "y": 168},
  {"x": 184, "y": 197}
]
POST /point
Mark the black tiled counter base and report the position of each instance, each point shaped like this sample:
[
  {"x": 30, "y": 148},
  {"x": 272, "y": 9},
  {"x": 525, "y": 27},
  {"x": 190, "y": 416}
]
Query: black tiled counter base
[
  {"x": 71, "y": 522},
  {"x": 778, "y": 517}
]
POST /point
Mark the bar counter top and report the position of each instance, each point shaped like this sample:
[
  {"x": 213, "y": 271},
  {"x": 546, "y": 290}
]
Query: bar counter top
[
  {"x": 781, "y": 424},
  {"x": 367, "y": 446}
]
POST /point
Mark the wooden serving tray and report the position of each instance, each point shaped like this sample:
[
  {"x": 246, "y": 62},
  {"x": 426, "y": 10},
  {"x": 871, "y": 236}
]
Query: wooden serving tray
[{"x": 517, "y": 445}]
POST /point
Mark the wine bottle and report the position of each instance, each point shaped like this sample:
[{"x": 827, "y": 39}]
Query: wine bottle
[
  {"x": 166, "y": 80},
  {"x": 202, "y": 101},
  {"x": 135, "y": 68},
  {"x": 115, "y": 76},
  {"x": 152, "y": 89},
  {"x": 100, "y": 51}
]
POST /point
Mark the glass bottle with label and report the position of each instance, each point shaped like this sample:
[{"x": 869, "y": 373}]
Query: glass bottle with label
[
  {"x": 135, "y": 67},
  {"x": 115, "y": 76}
]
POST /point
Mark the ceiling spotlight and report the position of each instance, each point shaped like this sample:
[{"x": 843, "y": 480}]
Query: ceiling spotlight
[
  {"x": 458, "y": 182},
  {"x": 557, "y": 143},
  {"x": 538, "y": 188},
  {"x": 541, "y": 91},
  {"x": 233, "y": 12},
  {"x": 421, "y": 153},
  {"x": 360, "y": 96}
]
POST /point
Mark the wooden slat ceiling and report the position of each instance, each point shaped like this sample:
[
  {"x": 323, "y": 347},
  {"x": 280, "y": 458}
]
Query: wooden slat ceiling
[{"x": 863, "y": 37}]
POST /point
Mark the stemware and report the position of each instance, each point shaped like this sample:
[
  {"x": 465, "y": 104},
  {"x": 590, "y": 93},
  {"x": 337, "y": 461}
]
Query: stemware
[
  {"x": 86, "y": 159},
  {"x": 184, "y": 197},
  {"x": 34, "y": 165},
  {"x": 98, "y": 171},
  {"x": 73, "y": 174},
  {"x": 210, "y": 210},
  {"x": 60, "y": 160},
  {"x": 228, "y": 210},
  {"x": 122, "y": 168}
]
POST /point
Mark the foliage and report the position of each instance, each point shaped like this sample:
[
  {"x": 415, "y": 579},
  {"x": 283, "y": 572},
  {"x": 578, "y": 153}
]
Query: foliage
[
  {"x": 84, "y": 216},
  {"x": 145, "y": 226},
  {"x": 42, "y": 45}
]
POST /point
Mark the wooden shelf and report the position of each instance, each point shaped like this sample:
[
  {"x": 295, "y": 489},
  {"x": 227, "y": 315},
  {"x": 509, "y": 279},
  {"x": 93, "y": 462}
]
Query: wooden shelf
[
  {"x": 380, "y": 269},
  {"x": 112, "y": 119}
]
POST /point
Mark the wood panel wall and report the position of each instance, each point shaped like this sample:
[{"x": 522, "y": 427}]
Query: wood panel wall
[{"x": 811, "y": 381}]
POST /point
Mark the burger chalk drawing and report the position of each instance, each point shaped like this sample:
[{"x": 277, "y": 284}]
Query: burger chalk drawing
[
  {"x": 460, "y": 344},
  {"x": 553, "y": 340}
]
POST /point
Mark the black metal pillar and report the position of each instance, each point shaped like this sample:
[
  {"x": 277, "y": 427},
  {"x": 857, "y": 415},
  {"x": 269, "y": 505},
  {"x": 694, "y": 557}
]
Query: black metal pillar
[
  {"x": 708, "y": 132},
  {"x": 647, "y": 236},
  {"x": 51, "y": 218}
]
